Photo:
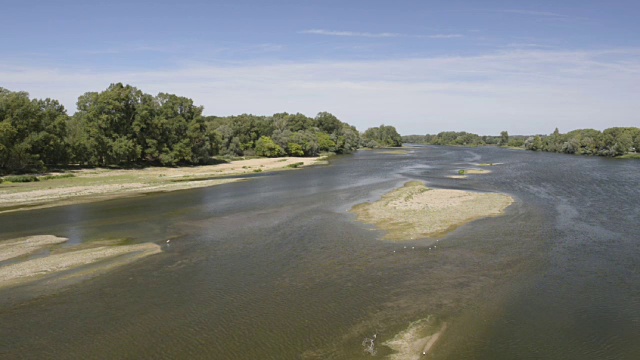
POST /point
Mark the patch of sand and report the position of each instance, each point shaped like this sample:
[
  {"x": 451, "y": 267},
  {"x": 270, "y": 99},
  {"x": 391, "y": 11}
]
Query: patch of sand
[
  {"x": 457, "y": 176},
  {"x": 24, "y": 246},
  {"x": 415, "y": 211},
  {"x": 33, "y": 269},
  {"x": 414, "y": 342},
  {"x": 100, "y": 184},
  {"x": 476, "y": 172},
  {"x": 394, "y": 152}
]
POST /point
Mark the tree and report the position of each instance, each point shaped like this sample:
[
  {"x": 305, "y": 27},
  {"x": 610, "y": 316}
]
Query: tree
[
  {"x": 504, "y": 138},
  {"x": 265, "y": 146},
  {"x": 382, "y": 136}
]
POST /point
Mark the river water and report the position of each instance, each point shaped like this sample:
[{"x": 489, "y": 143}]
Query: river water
[{"x": 276, "y": 268}]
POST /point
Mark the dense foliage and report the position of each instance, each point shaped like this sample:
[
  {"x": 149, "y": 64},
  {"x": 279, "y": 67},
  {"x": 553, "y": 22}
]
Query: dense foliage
[
  {"x": 615, "y": 141},
  {"x": 122, "y": 125},
  {"x": 382, "y": 136},
  {"x": 453, "y": 138},
  {"x": 280, "y": 134}
]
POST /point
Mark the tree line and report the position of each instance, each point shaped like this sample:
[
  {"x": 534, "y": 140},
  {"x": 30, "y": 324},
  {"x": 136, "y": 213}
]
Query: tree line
[
  {"x": 463, "y": 138},
  {"x": 617, "y": 141},
  {"x": 122, "y": 126}
]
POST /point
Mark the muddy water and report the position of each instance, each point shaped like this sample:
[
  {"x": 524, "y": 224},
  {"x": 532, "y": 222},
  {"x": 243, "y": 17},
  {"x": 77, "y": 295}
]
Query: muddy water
[{"x": 275, "y": 268}]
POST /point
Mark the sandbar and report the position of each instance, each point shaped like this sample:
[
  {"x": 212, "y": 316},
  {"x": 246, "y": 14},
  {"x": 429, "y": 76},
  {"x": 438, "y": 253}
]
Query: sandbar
[
  {"x": 103, "y": 257},
  {"x": 416, "y": 341},
  {"x": 415, "y": 211},
  {"x": 99, "y": 184},
  {"x": 10, "y": 249}
]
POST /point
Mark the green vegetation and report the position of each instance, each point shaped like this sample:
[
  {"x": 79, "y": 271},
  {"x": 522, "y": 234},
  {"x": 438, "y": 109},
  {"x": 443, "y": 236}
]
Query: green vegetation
[
  {"x": 619, "y": 141},
  {"x": 122, "y": 126},
  {"x": 382, "y": 136},
  {"x": 462, "y": 138},
  {"x": 295, "y": 165},
  {"x": 21, "y": 178},
  {"x": 623, "y": 142},
  {"x": 53, "y": 177},
  {"x": 461, "y": 172}
]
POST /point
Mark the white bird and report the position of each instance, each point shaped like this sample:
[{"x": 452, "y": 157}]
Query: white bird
[{"x": 168, "y": 241}]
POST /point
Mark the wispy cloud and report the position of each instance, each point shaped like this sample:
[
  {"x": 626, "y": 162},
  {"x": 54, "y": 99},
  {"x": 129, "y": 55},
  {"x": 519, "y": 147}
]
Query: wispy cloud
[
  {"x": 531, "y": 13},
  {"x": 445, "y": 36},
  {"x": 522, "y": 91},
  {"x": 350, "y": 33},
  {"x": 378, "y": 35}
]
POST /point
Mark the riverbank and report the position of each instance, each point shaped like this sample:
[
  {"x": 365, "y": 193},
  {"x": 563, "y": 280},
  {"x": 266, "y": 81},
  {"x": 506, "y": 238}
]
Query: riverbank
[
  {"x": 101, "y": 184},
  {"x": 415, "y": 211}
]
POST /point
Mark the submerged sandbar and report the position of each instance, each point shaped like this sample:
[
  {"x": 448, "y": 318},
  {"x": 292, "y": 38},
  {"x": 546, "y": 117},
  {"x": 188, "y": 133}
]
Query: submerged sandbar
[
  {"x": 415, "y": 211},
  {"x": 102, "y": 256}
]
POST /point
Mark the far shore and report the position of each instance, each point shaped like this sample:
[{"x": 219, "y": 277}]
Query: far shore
[
  {"x": 90, "y": 185},
  {"x": 416, "y": 212}
]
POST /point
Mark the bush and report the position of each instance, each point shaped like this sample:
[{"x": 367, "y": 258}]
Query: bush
[
  {"x": 295, "y": 165},
  {"x": 51, "y": 177},
  {"x": 461, "y": 172},
  {"x": 21, "y": 178}
]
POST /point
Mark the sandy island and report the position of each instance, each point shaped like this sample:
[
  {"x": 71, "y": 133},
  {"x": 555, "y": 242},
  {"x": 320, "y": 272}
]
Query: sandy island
[
  {"x": 99, "y": 184},
  {"x": 93, "y": 258},
  {"x": 415, "y": 211}
]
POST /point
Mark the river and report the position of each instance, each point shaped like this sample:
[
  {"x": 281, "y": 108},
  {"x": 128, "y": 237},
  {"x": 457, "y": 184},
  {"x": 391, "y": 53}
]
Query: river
[{"x": 276, "y": 268}]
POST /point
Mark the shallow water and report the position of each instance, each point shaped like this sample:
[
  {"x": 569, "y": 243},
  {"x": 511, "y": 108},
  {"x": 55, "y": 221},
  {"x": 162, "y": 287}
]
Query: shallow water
[{"x": 275, "y": 267}]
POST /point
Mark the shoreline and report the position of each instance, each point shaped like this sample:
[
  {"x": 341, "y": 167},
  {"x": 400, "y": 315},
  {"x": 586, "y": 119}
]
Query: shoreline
[
  {"x": 90, "y": 185},
  {"x": 415, "y": 211}
]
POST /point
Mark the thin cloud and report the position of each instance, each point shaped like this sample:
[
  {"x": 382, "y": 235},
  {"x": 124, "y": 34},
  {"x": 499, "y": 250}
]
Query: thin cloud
[
  {"x": 350, "y": 33},
  {"x": 521, "y": 91},
  {"x": 377, "y": 35},
  {"x": 532, "y": 13},
  {"x": 445, "y": 36}
]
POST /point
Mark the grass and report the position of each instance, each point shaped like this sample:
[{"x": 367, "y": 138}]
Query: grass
[
  {"x": 52, "y": 177},
  {"x": 630, "y": 156}
]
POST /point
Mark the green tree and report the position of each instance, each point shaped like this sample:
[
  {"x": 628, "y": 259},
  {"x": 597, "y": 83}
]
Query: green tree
[
  {"x": 265, "y": 146},
  {"x": 504, "y": 138}
]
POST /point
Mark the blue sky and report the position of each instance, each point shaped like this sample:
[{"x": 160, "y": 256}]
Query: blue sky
[{"x": 422, "y": 66}]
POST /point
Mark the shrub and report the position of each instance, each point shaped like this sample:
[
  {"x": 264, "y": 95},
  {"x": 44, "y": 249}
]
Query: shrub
[
  {"x": 295, "y": 165},
  {"x": 461, "y": 172},
  {"x": 21, "y": 178},
  {"x": 51, "y": 177}
]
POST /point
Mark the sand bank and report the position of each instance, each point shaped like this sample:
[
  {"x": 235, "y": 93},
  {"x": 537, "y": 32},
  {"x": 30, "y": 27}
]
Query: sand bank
[
  {"x": 58, "y": 261},
  {"x": 416, "y": 341},
  {"x": 100, "y": 184},
  {"x": 415, "y": 211},
  {"x": 24, "y": 246}
]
